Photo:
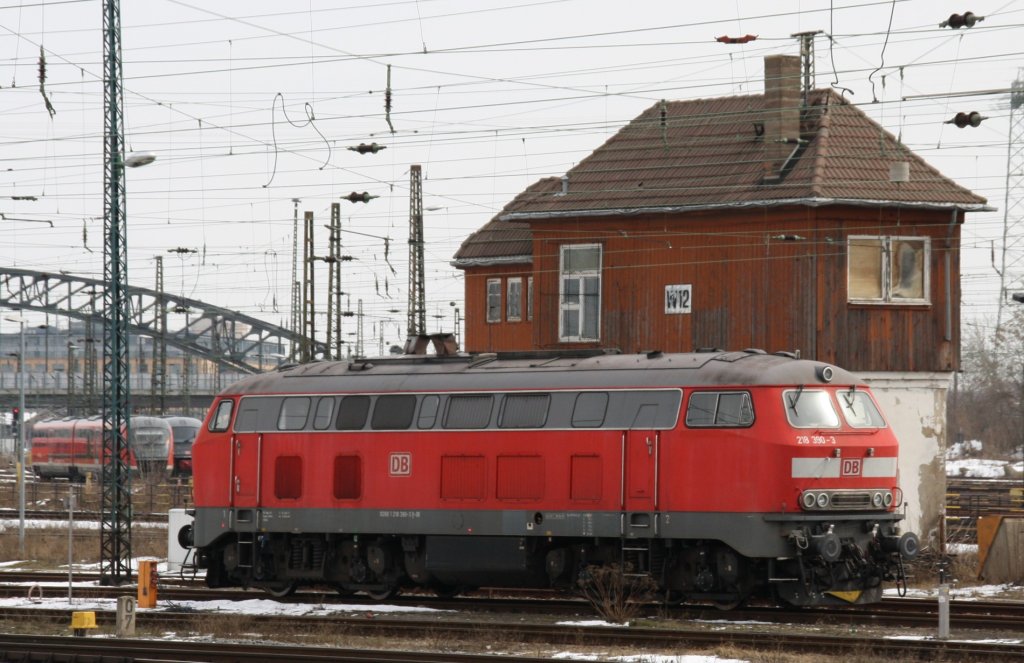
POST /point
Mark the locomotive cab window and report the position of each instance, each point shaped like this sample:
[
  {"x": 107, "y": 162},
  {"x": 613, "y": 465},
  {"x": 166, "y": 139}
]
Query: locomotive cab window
[
  {"x": 711, "y": 409},
  {"x": 859, "y": 410},
  {"x": 222, "y": 417},
  {"x": 294, "y": 412},
  {"x": 809, "y": 409},
  {"x": 393, "y": 412}
]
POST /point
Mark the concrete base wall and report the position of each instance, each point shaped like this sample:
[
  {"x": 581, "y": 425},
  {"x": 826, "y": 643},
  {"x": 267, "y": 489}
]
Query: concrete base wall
[{"x": 915, "y": 406}]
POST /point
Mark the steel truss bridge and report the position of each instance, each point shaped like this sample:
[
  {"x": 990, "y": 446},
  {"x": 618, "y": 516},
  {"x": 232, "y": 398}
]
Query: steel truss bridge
[{"x": 229, "y": 339}]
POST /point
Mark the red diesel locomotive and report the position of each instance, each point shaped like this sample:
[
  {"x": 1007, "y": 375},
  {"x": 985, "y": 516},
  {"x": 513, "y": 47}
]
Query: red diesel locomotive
[{"x": 721, "y": 475}]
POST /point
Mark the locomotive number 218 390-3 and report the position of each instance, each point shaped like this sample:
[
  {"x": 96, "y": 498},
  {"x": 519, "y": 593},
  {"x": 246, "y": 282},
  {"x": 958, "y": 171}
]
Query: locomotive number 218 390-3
[{"x": 816, "y": 439}]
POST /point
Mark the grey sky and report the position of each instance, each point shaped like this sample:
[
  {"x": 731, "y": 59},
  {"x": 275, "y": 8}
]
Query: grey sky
[{"x": 487, "y": 96}]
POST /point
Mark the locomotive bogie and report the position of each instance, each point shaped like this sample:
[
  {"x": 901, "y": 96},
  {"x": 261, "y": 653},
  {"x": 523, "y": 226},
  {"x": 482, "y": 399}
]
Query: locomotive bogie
[{"x": 718, "y": 476}]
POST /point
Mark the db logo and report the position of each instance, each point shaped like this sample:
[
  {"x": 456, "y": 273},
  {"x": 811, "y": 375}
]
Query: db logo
[
  {"x": 851, "y": 467},
  {"x": 400, "y": 464}
]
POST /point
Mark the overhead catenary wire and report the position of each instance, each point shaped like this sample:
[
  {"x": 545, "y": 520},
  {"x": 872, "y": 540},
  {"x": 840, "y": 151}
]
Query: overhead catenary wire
[{"x": 439, "y": 138}]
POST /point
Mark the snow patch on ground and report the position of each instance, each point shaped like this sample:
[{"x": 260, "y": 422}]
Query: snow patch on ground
[
  {"x": 976, "y": 468},
  {"x": 959, "y": 593},
  {"x": 645, "y": 658}
]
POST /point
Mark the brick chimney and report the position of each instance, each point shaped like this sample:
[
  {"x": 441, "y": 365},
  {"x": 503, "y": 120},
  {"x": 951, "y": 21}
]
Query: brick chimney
[{"x": 781, "y": 110}]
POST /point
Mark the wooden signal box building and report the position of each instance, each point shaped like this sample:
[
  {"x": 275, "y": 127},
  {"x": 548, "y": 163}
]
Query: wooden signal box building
[{"x": 784, "y": 221}]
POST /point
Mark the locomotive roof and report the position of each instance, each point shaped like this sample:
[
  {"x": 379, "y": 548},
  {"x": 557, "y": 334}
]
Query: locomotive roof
[{"x": 531, "y": 371}]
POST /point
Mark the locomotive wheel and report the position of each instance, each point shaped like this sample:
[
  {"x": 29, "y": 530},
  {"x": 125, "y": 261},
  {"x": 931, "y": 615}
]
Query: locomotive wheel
[
  {"x": 673, "y": 597},
  {"x": 731, "y": 603},
  {"x": 280, "y": 590},
  {"x": 447, "y": 591},
  {"x": 382, "y": 594}
]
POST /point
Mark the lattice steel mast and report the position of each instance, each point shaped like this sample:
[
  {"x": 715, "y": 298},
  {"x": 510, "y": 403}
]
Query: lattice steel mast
[
  {"x": 158, "y": 375},
  {"x": 334, "y": 311},
  {"x": 116, "y": 503},
  {"x": 1013, "y": 204},
  {"x": 417, "y": 315}
]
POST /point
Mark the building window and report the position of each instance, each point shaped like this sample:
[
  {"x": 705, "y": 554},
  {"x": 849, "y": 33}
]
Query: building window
[
  {"x": 529, "y": 298},
  {"x": 580, "y": 293},
  {"x": 493, "y": 300},
  {"x": 514, "y": 302},
  {"x": 888, "y": 270}
]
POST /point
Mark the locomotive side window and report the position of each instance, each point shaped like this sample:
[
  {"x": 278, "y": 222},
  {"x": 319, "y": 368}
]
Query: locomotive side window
[
  {"x": 352, "y": 412},
  {"x": 294, "y": 412},
  {"x": 258, "y": 413},
  {"x": 222, "y": 417},
  {"x": 859, "y": 410},
  {"x": 708, "y": 409},
  {"x": 469, "y": 411},
  {"x": 393, "y": 412},
  {"x": 324, "y": 410},
  {"x": 809, "y": 409},
  {"x": 428, "y": 411},
  {"x": 524, "y": 410},
  {"x": 590, "y": 409}
]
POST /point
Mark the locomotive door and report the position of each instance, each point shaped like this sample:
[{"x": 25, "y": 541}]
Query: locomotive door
[
  {"x": 245, "y": 469},
  {"x": 641, "y": 459}
]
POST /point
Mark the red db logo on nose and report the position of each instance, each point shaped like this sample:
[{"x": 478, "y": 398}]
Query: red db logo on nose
[
  {"x": 400, "y": 464},
  {"x": 851, "y": 467}
]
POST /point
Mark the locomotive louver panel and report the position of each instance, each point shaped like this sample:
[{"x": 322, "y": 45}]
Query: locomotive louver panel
[
  {"x": 586, "y": 478},
  {"x": 348, "y": 477},
  {"x": 520, "y": 477},
  {"x": 463, "y": 477},
  {"x": 288, "y": 477}
]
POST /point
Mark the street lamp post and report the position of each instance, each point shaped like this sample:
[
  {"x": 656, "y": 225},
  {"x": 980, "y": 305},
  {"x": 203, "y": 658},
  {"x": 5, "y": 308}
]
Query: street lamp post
[{"x": 20, "y": 447}]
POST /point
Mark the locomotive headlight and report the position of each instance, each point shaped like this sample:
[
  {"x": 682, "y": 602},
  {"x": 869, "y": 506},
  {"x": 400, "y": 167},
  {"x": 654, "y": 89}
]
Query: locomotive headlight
[
  {"x": 808, "y": 499},
  {"x": 876, "y": 500},
  {"x": 822, "y": 500},
  {"x": 887, "y": 499}
]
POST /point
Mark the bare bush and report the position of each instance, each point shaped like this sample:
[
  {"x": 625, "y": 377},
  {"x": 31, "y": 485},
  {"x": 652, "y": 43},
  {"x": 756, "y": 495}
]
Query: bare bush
[{"x": 615, "y": 593}]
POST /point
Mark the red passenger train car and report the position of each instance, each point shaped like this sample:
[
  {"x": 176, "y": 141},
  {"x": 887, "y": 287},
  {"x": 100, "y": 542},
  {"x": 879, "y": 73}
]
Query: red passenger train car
[
  {"x": 72, "y": 448},
  {"x": 69, "y": 448},
  {"x": 721, "y": 475}
]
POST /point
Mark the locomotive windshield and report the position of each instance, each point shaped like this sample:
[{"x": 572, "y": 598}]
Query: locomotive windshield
[
  {"x": 810, "y": 409},
  {"x": 859, "y": 410}
]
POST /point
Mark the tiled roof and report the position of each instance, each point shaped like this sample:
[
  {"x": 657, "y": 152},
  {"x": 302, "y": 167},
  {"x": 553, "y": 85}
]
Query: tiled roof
[
  {"x": 707, "y": 153},
  {"x": 502, "y": 241}
]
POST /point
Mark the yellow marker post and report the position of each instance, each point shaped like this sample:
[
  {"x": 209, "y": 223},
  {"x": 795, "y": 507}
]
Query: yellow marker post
[{"x": 81, "y": 622}]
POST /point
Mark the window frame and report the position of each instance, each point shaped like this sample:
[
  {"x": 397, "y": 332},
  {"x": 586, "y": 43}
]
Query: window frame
[
  {"x": 580, "y": 276},
  {"x": 221, "y": 421},
  {"x": 715, "y": 415},
  {"x": 886, "y": 279},
  {"x": 529, "y": 298},
  {"x": 514, "y": 300},
  {"x": 492, "y": 308}
]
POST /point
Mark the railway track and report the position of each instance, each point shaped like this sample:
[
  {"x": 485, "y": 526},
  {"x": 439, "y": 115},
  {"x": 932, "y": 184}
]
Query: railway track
[
  {"x": 85, "y": 515},
  {"x": 891, "y": 612},
  {"x": 460, "y": 634}
]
